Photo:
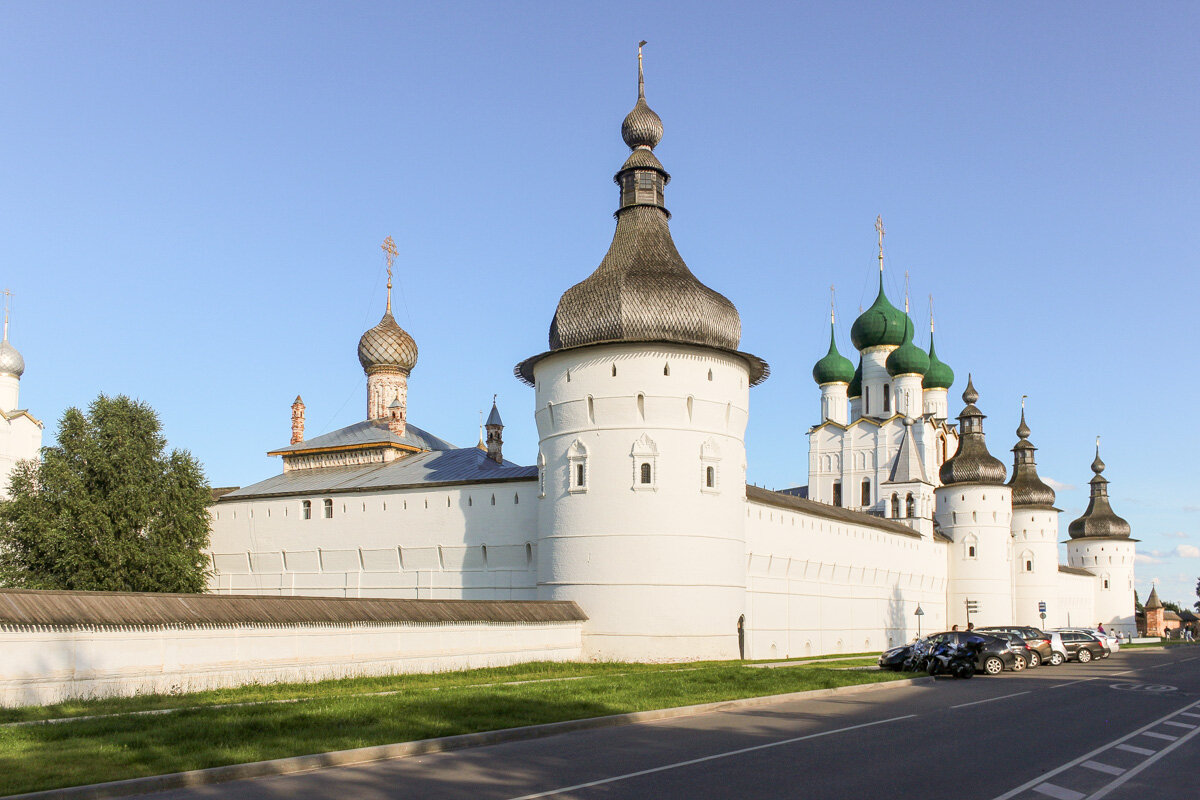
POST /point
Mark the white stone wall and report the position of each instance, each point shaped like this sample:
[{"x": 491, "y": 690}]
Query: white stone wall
[
  {"x": 834, "y": 405},
  {"x": 659, "y": 568},
  {"x": 876, "y": 383},
  {"x": 906, "y": 395},
  {"x": 979, "y": 517},
  {"x": 1077, "y": 597},
  {"x": 473, "y": 541},
  {"x": 43, "y": 666},
  {"x": 1112, "y": 562},
  {"x": 819, "y": 586},
  {"x": 20, "y": 438}
]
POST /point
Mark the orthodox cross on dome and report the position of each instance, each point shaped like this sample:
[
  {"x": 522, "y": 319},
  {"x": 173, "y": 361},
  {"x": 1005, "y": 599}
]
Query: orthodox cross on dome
[
  {"x": 879, "y": 229},
  {"x": 832, "y": 297},
  {"x": 931, "y": 314},
  {"x": 905, "y": 291},
  {"x": 641, "y": 75},
  {"x": 7, "y": 307},
  {"x": 390, "y": 252}
]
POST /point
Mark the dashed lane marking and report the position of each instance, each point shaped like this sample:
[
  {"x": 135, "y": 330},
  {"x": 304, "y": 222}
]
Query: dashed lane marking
[
  {"x": 703, "y": 759},
  {"x": 1181, "y": 724},
  {"x": 1072, "y": 683},
  {"x": 1041, "y": 784},
  {"x": 990, "y": 699},
  {"x": 1107, "y": 769},
  {"x": 1058, "y": 792}
]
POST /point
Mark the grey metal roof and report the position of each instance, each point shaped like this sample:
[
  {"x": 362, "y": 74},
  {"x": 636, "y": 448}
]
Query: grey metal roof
[
  {"x": 494, "y": 417},
  {"x": 816, "y": 509},
  {"x": 1074, "y": 570},
  {"x": 435, "y": 467},
  {"x": 371, "y": 431},
  {"x": 33, "y": 607},
  {"x": 908, "y": 467}
]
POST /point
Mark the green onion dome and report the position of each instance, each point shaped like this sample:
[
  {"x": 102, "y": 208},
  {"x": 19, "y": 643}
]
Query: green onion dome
[
  {"x": 939, "y": 375},
  {"x": 880, "y": 324},
  {"x": 855, "y": 389},
  {"x": 907, "y": 359},
  {"x": 834, "y": 367}
]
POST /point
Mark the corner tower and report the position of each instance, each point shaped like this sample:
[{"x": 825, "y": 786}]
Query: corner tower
[
  {"x": 641, "y": 408},
  {"x": 973, "y": 508},
  {"x": 1101, "y": 544}
]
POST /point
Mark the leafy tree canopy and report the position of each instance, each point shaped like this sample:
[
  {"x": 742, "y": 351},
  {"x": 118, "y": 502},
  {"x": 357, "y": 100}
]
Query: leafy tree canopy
[
  {"x": 1196, "y": 605},
  {"x": 107, "y": 508},
  {"x": 1169, "y": 606}
]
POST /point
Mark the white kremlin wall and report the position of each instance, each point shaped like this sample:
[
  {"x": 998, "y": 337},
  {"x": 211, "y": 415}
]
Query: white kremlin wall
[
  {"x": 475, "y": 542},
  {"x": 817, "y": 585}
]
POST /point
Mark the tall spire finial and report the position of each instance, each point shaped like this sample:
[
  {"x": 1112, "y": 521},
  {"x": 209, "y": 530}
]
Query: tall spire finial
[
  {"x": 905, "y": 291},
  {"x": 641, "y": 75},
  {"x": 389, "y": 249},
  {"x": 7, "y": 308},
  {"x": 931, "y": 315},
  {"x": 879, "y": 229},
  {"x": 832, "y": 297}
]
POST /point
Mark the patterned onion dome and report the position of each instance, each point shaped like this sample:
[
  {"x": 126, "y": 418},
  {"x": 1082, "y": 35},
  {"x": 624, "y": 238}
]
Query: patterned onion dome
[
  {"x": 855, "y": 389},
  {"x": 1028, "y": 490},
  {"x": 880, "y": 324},
  {"x": 834, "y": 367},
  {"x": 642, "y": 127},
  {"x": 387, "y": 346},
  {"x": 939, "y": 375},
  {"x": 11, "y": 362},
  {"x": 907, "y": 359},
  {"x": 972, "y": 463},
  {"x": 1099, "y": 521}
]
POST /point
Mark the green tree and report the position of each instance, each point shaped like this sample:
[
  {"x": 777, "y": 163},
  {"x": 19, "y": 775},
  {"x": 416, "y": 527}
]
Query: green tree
[
  {"x": 1196, "y": 605},
  {"x": 107, "y": 508}
]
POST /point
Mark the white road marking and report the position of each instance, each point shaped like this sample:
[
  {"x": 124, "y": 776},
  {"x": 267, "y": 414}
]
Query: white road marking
[
  {"x": 1180, "y": 724},
  {"x": 1189, "y": 714},
  {"x": 1126, "y": 672},
  {"x": 703, "y": 759},
  {"x": 1165, "y": 737},
  {"x": 1142, "y": 765},
  {"x": 1120, "y": 745},
  {"x": 1058, "y": 792},
  {"x": 1107, "y": 769},
  {"x": 1072, "y": 683},
  {"x": 1184, "y": 661},
  {"x": 990, "y": 699}
]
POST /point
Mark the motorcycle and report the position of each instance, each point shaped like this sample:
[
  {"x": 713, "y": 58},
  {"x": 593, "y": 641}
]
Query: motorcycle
[
  {"x": 948, "y": 658},
  {"x": 918, "y": 656}
]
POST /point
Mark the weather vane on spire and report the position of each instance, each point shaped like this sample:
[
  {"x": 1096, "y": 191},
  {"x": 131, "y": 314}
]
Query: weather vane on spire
[
  {"x": 641, "y": 75},
  {"x": 390, "y": 251},
  {"x": 879, "y": 229},
  {"x": 1023, "y": 398}
]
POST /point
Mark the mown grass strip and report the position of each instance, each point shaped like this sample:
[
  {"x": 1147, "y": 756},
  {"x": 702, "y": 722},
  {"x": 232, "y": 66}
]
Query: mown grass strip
[{"x": 113, "y": 748}]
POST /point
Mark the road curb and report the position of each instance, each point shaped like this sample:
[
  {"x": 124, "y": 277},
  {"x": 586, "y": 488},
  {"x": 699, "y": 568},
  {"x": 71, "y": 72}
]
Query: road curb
[{"x": 386, "y": 752}]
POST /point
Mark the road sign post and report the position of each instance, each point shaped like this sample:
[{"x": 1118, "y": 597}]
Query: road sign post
[
  {"x": 972, "y": 608},
  {"x": 918, "y": 614}
]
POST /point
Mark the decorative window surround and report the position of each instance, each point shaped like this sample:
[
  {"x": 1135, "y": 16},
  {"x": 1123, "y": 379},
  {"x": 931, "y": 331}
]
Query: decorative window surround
[
  {"x": 577, "y": 459},
  {"x": 645, "y": 451}
]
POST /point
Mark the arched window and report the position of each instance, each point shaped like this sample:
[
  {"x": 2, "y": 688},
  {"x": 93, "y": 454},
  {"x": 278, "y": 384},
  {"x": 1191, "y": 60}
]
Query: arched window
[
  {"x": 710, "y": 477},
  {"x": 579, "y": 475},
  {"x": 837, "y": 493},
  {"x": 306, "y": 509},
  {"x": 971, "y": 546},
  {"x": 644, "y": 455},
  {"x": 645, "y": 474},
  {"x": 1027, "y": 561},
  {"x": 614, "y": 370},
  {"x": 666, "y": 369},
  {"x": 577, "y": 472},
  {"x": 895, "y": 506},
  {"x": 866, "y": 491},
  {"x": 887, "y": 399},
  {"x": 910, "y": 506},
  {"x": 971, "y": 551},
  {"x": 328, "y": 508}
]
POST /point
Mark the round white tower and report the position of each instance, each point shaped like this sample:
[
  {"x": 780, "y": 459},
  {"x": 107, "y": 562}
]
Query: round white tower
[
  {"x": 1100, "y": 543},
  {"x": 641, "y": 407},
  {"x": 1034, "y": 539},
  {"x": 974, "y": 510}
]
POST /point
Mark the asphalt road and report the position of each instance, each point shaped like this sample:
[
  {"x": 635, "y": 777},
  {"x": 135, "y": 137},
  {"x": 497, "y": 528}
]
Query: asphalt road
[{"x": 1124, "y": 728}]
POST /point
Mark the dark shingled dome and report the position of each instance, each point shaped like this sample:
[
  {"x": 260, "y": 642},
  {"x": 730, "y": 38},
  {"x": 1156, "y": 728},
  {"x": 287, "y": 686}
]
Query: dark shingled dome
[
  {"x": 387, "y": 346},
  {"x": 1099, "y": 521},
  {"x": 1028, "y": 490},
  {"x": 972, "y": 463}
]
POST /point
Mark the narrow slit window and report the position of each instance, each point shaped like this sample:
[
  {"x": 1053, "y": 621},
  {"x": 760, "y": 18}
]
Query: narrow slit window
[{"x": 710, "y": 477}]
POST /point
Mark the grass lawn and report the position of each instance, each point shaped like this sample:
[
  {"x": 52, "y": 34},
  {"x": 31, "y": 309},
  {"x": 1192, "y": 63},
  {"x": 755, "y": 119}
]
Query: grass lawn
[{"x": 337, "y": 715}]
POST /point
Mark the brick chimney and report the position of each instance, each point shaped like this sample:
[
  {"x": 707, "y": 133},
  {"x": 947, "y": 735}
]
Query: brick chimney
[
  {"x": 495, "y": 434},
  {"x": 298, "y": 421},
  {"x": 395, "y": 417}
]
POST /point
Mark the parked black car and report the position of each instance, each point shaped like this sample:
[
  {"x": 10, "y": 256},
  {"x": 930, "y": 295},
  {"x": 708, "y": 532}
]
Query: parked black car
[
  {"x": 1036, "y": 639},
  {"x": 1083, "y": 647},
  {"x": 1026, "y": 655},
  {"x": 894, "y": 659}
]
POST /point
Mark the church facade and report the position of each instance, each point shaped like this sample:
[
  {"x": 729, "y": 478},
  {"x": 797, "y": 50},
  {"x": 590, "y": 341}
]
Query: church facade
[
  {"x": 20, "y": 431},
  {"x": 638, "y": 507}
]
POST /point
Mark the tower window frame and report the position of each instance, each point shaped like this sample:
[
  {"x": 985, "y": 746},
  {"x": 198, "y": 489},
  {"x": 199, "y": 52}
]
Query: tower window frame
[
  {"x": 644, "y": 456},
  {"x": 577, "y": 467}
]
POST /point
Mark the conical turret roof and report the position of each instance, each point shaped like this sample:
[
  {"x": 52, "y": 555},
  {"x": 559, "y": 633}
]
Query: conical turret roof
[
  {"x": 1152, "y": 602},
  {"x": 1099, "y": 521},
  {"x": 972, "y": 463},
  {"x": 1028, "y": 490}
]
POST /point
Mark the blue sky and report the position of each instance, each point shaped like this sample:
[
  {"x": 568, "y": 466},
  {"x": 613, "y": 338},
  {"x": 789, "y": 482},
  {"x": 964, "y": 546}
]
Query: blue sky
[{"x": 195, "y": 193}]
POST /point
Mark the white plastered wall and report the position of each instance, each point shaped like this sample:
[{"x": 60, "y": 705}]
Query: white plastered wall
[
  {"x": 1035, "y": 568},
  {"x": 1112, "y": 562},
  {"x": 978, "y": 516},
  {"x": 816, "y": 585},
  {"x": 49, "y": 665},
  {"x": 472, "y": 541}
]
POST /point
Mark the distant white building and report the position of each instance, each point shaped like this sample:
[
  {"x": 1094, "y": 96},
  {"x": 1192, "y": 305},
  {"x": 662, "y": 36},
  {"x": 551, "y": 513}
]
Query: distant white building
[
  {"x": 20, "y": 431},
  {"x": 638, "y": 507}
]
